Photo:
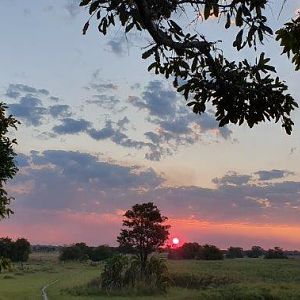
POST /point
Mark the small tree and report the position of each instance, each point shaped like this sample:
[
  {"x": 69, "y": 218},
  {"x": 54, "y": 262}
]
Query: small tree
[
  {"x": 189, "y": 250},
  {"x": 21, "y": 250},
  {"x": 255, "y": 252},
  {"x": 101, "y": 252},
  {"x": 6, "y": 247},
  {"x": 72, "y": 253},
  {"x": 235, "y": 252},
  {"x": 276, "y": 253},
  {"x": 210, "y": 252},
  {"x": 144, "y": 232},
  {"x": 186, "y": 251}
]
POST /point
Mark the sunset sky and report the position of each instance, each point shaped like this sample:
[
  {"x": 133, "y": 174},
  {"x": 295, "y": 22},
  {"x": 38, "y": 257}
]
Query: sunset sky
[{"x": 99, "y": 134}]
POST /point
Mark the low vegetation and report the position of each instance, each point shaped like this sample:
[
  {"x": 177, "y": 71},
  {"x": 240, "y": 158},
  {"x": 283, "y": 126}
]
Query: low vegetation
[
  {"x": 240, "y": 279},
  {"x": 193, "y": 271},
  {"x": 16, "y": 251},
  {"x": 81, "y": 252}
]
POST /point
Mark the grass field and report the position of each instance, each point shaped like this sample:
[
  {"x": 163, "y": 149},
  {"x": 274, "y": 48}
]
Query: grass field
[{"x": 244, "y": 279}]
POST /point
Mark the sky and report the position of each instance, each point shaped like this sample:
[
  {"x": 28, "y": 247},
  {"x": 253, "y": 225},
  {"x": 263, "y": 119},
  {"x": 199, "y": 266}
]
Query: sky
[{"x": 99, "y": 134}]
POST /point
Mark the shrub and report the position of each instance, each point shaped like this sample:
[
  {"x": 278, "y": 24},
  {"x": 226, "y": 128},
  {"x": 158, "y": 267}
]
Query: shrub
[
  {"x": 255, "y": 252},
  {"x": 101, "y": 253},
  {"x": 125, "y": 272},
  {"x": 189, "y": 250},
  {"x": 196, "y": 251},
  {"x": 21, "y": 250},
  {"x": 16, "y": 251},
  {"x": 276, "y": 253},
  {"x": 122, "y": 276},
  {"x": 71, "y": 253},
  {"x": 210, "y": 252},
  {"x": 235, "y": 252}
]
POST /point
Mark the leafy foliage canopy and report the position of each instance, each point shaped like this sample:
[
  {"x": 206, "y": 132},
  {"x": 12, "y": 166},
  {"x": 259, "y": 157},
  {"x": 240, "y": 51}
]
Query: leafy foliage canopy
[
  {"x": 7, "y": 166},
  {"x": 239, "y": 91}
]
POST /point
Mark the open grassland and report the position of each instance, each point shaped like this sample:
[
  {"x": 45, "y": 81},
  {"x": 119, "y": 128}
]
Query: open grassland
[{"x": 238, "y": 279}]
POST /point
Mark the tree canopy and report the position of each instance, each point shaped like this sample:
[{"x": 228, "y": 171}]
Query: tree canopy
[
  {"x": 7, "y": 155},
  {"x": 145, "y": 230},
  {"x": 17, "y": 251},
  {"x": 239, "y": 91}
]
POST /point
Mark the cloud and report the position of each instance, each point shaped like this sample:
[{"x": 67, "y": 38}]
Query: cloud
[
  {"x": 175, "y": 124},
  {"x": 71, "y": 126},
  {"x": 82, "y": 182},
  {"x": 123, "y": 122},
  {"x": 53, "y": 98},
  {"x": 172, "y": 124},
  {"x": 15, "y": 90},
  {"x": 104, "y": 133},
  {"x": 104, "y": 101},
  {"x": 157, "y": 100},
  {"x": 101, "y": 87},
  {"x": 113, "y": 131},
  {"x": 232, "y": 178},
  {"x": 59, "y": 110},
  {"x": 117, "y": 46},
  {"x": 22, "y": 160},
  {"x": 273, "y": 174},
  {"x": 72, "y": 7},
  {"x": 86, "y": 187},
  {"x": 29, "y": 109},
  {"x": 66, "y": 179},
  {"x": 87, "y": 168},
  {"x": 30, "y": 104}
]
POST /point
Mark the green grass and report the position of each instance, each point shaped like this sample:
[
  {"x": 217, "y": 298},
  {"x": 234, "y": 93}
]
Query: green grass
[{"x": 246, "y": 279}]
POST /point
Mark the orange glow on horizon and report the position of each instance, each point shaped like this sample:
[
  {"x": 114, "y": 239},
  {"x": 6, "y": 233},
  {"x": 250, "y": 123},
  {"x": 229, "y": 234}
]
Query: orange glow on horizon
[{"x": 60, "y": 227}]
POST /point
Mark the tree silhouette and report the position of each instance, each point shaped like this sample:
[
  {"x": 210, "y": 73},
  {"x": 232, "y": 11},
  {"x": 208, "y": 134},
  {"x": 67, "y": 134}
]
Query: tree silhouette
[
  {"x": 239, "y": 91},
  {"x": 145, "y": 231},
  {"x": 7, "y": 166}
]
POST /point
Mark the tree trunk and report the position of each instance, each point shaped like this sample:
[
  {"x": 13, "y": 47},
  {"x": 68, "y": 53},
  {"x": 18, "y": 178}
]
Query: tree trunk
[{"x": 143, "y": 261}]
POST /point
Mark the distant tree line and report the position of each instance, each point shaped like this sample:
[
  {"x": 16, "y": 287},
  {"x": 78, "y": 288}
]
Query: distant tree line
[
  {"x": 211, "y": 252},
  {"x": 16, "y": 251},
  {"x": 196, "y": 251},
  {"x": 45, "y": 248},
  {"x": 81, "y": 252}
]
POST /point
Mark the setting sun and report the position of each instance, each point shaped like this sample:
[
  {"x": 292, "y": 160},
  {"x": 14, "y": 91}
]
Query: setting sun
[{"x": 175, "y": 241}]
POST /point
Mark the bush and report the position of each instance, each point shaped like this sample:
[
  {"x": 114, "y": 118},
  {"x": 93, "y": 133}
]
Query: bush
[
  {"x": 122, "y": 276},
  {"x": 21, "y": 250},
  {"x": 122, "y": 271},
  {"x": 210, "y": 252},
  {"x": 17, "y": 251},
  {"x": 196, "y": 251},
  {"x": 235, "y": 252},
  {"x": 101, "y": 253},
  {"x": 125, "y": 272},
  {"x": 81, "y": 252},
  {"x": 276, "y": 253},
  {"x": 71, "y": 253},
  {"x": 255, "y": 252},
  {"x": 190, "y": 250}
]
